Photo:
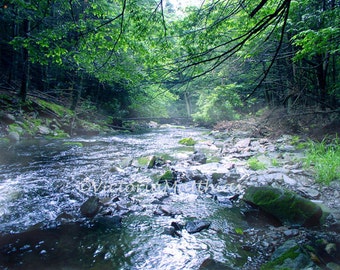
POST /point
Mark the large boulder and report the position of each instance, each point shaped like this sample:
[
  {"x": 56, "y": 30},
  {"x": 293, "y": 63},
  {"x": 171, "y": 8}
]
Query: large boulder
[{"x": 285, "y": 205}]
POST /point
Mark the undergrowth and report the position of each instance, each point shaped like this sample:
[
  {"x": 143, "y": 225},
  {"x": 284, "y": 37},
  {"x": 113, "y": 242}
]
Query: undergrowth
[{"x": 324, "y": 158}]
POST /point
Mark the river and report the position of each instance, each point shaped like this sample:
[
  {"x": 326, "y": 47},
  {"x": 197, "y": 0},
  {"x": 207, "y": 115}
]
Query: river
[{"x": 44, "y": 182}]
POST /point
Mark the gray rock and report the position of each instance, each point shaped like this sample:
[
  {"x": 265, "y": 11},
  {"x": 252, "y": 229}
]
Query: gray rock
[
  {"x": 197, "y": 226},
  {"x": 291, "y": 232},
  {"x": 199, "y": 157},
  {"x": 8, "y": 118},
  {"x": 13, "y": 136},
  {"x": 287, "y": 148},
  {"x": 169, "y": 230},
  {"x": 309, "y": 193},
  {"x": 170, "y": 211},
  {"x": 90, "y": 207},
  {"x": 43, "y": 130},
  {"x": 224, "y": 199},
  {"x": 243, "y": 143},
  {"x": 333, "y": 266}
]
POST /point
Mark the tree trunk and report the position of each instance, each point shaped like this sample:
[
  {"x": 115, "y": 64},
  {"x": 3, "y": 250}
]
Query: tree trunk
[
  {"x": 77, "y": 92},
  {"x": 321, "y": 72},
  {"x": 26, "y": 66},
  {"x": 187, "y": 103}
]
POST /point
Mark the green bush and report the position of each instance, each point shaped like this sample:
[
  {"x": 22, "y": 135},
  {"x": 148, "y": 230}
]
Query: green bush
[{"x": 324, "y": 158}]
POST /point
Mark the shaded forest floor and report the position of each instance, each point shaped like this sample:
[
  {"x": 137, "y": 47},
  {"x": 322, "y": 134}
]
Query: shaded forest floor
[
  {"x": 276, "y": 122},
  {"x": 43, "y": 117}
]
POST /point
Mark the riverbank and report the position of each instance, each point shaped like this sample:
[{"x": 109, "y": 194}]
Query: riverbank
[
  {"x": 40, "y": 118},
  {"x": 209, "y": 178}
]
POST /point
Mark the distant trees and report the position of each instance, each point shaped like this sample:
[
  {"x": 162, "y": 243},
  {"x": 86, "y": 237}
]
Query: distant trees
[
  {"x": 83, "y": 48},
  {"x": 144, "y": 58},
  {"x": 283, "y": 53}
]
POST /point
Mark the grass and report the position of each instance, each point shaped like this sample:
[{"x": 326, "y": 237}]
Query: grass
[
  {"x": 255, "y": 164},
  {"x": 324, "y": 158},
  {"x": 275, "y": 162}
]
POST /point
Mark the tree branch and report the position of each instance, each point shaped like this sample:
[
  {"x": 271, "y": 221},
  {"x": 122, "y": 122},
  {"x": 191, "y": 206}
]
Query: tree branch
[{"x": 259, "y": 6}]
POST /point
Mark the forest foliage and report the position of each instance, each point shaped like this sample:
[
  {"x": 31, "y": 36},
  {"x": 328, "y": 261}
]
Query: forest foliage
[{"x": 150, "y": 58}]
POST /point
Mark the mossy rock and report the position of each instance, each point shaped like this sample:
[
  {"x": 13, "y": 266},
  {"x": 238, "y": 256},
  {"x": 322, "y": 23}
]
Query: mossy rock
[
  {"x": 288, "y": 256},
  {"x": 167, "y": 177},
  {"x": 187, "y": 141},
  {"x": 147, "y": 161},
  {"x": 285, "y": 205},
  {"x": 78, "y": 144}
]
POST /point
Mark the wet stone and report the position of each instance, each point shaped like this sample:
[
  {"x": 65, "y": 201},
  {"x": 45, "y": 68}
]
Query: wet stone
[
  {"x": 223, "y": 199},
  {"x": 199, "y": 157},
  {"x": 169, "y": 211},
  {"x": 211, "y": 264},
  {"x": 177, "y": 225},
  {"x": 291, "y": 232},
  {"x": 107, "y": 223},
  {"x": 90, "y": 207},
  {"x": 169, "y": 230},
  {"x": 197, "y": 226},
  {"x": 309, "y": 193}
]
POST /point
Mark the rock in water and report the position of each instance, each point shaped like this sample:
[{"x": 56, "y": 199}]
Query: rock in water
[
  {"x": 14, "y": 136},
  {"x": 199, "y": 157},
  {"x": 211, "y": 264},
  {"x": 285, "y": 205},
  {"x": 91, "y": 207},
  {"x": 197, "y": 226},
  {"x": 107, "y": 223}
]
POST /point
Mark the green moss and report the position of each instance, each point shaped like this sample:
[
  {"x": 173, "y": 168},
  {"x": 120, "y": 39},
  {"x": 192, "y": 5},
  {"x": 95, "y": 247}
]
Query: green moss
[
  {"x": 285, "y": 205},
  {"x": 15, "y": 128},
  {"x": 167, "y": 175},
  {"x": 59, "y": 110},
  {"x": 292, "y": 253},
  {"x": 187, "y": 141},
  {"x": 58, "y": 134},
  {"x": 79, "y": 144},
  {"x": 143, "y": 161},
  {"x": 90, "y": 126}
]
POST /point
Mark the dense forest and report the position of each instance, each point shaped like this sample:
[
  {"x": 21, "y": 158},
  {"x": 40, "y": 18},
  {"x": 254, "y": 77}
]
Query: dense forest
[{"x": 211, "y": 61}]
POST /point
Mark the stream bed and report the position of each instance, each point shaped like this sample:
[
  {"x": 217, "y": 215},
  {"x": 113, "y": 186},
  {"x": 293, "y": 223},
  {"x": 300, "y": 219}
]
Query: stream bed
[{"x": 44, "y": 183}]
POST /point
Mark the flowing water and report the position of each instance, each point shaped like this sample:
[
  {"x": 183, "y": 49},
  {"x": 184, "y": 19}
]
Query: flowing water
[{"x": 43, "y": 180}]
